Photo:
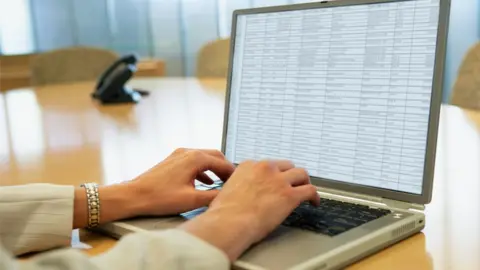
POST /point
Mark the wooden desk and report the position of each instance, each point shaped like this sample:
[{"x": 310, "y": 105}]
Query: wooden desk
[{"x": 57, "y": 134}]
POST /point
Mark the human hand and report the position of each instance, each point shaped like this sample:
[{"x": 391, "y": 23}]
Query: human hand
[
  {"x": 169, "y": 188},
  {"x": 254, "y": 201}
]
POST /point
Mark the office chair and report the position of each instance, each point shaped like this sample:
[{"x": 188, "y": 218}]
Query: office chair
[
  {"x": 466, "y": 91},
  {"x": 70, "y": 65},
  {"x": 212, "y": 61}
]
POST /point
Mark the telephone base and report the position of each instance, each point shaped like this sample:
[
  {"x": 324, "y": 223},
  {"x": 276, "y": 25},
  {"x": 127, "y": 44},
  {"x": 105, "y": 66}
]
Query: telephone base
[{"x": 125, "y": 95}]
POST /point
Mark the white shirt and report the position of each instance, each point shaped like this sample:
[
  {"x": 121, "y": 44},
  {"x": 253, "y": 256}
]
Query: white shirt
[{"x": 39, "y": 217}]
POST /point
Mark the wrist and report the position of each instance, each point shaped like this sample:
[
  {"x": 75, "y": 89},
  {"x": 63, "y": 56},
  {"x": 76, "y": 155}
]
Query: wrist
[
  {"x": 224, "y": 228},
  {"x": 118, "y": 202}
]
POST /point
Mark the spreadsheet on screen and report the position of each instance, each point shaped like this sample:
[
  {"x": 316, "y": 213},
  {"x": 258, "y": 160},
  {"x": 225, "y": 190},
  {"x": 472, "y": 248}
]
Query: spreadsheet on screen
[{"x": 341, "y": 91}]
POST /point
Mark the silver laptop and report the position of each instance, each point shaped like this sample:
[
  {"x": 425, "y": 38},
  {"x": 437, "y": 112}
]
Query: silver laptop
[{"x": 351, "y": 91}]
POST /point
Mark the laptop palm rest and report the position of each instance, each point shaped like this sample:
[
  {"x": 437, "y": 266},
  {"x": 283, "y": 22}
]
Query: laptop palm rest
[{"x": 280, "y": 250}]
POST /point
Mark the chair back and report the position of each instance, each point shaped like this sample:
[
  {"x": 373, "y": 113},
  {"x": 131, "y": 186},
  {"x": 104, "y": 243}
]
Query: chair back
[
  {"x": 466, "y": 91},
  {"x": 213, "y": 59},
  {"x": 71, "y": 65}
]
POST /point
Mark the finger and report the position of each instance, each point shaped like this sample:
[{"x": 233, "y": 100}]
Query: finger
[
  {"x": 297, "y": 177},
  {"x": 204, "y": 198},
  {"x": 307, "y": 193},
  {"x": 203, "y": 162},
  {"x": 204, "y": 178}
]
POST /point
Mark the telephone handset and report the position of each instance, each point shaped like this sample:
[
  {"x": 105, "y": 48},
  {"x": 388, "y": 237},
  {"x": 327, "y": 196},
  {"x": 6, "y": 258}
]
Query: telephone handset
[{"x": 111, "y": 87}]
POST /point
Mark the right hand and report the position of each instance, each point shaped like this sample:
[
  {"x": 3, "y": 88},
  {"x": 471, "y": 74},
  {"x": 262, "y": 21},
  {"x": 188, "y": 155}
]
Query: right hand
[
  {"x": 267, "y": 192},
  {"x": 253, "y": 202}
]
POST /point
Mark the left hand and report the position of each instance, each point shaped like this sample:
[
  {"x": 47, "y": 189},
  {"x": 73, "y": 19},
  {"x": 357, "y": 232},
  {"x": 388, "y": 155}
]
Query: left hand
[{"x": 169, "y": 187}]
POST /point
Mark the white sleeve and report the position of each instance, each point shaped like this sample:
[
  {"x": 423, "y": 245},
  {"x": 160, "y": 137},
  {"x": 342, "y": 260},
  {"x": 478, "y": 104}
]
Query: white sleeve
[
  {"x": 35, "y": 217},
  {"x": 173, "y": 249},
  {"x": 39, "y": 217}
]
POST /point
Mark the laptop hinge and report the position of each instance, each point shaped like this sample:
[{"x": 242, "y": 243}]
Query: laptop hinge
[{"x": 375, "y": 199}]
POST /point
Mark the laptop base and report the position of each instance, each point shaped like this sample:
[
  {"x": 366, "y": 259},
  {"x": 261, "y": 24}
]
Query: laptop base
[{"x": 292, "y": 248}]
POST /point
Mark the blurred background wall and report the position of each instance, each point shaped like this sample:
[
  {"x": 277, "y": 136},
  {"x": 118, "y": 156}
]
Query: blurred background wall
[{"x": 171, "y": 30}]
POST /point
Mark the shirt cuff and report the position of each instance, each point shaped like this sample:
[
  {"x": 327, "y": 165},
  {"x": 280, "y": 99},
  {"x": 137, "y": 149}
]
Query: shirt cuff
[
  {"x": 196, "y": 252},
  {"x": 36, "y": 217},
  {"x": 170, "y": 249}
]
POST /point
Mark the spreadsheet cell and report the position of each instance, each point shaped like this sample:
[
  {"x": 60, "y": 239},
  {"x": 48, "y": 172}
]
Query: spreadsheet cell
[{"x": 344, "y": 92}]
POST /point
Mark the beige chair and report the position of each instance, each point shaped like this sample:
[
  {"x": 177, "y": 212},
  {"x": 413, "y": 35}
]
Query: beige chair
[
  {"x": 15, "y": 71},
  {"x": 466, "y": 91},
  {"x": 212, "y": 59},
  {"x": 71, "y": 65}
]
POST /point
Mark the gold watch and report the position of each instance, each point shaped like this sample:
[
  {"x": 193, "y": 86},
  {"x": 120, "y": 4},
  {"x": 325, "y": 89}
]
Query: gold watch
[{"x": 93, "y": 204}]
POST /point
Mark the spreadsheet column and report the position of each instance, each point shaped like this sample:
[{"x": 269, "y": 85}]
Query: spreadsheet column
[
  {"x": 344, "y": 78},
  {"x": 294, "y": 41},
  {"x": 374, "y": 98},
  {"x": 418, "y": 94},
  {"x": 310, "y": 93},
  {"x": 397, "y": 96},
  {"x": 236, "y": 83},
  {"x": 274, "y": 68},
  {"x": 250, "y": 88}
]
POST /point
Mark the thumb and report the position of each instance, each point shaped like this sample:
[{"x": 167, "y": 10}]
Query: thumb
[{"x": 204, "y": 198}]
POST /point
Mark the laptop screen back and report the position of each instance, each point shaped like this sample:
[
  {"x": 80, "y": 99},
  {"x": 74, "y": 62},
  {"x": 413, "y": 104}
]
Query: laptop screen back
[{"x": 344, "y": 92}]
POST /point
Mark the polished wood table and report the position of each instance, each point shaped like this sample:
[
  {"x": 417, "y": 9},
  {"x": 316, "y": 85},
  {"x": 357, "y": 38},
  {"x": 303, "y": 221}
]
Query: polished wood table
[{"x": 59, "y": 135}]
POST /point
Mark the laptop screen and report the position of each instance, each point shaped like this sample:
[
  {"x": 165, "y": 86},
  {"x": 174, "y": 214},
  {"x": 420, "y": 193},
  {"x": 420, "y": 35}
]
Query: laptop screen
[{"x": 341, "y": 91}]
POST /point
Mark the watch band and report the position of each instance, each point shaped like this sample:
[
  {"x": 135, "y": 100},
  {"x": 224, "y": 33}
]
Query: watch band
[{"x": 93, "y": 204}]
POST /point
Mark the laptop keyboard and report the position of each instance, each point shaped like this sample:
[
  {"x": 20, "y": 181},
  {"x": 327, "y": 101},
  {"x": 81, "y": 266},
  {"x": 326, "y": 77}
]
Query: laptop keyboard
[{"x": 332, "y": 217}]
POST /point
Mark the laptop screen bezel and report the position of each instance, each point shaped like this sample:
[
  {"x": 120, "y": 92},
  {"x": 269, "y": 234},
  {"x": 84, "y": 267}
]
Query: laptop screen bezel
[{"x": 436, "y": 98}]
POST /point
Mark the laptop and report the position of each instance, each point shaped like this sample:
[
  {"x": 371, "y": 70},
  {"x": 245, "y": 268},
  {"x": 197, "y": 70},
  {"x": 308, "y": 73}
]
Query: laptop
[{"x": 351, "y": 91}]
